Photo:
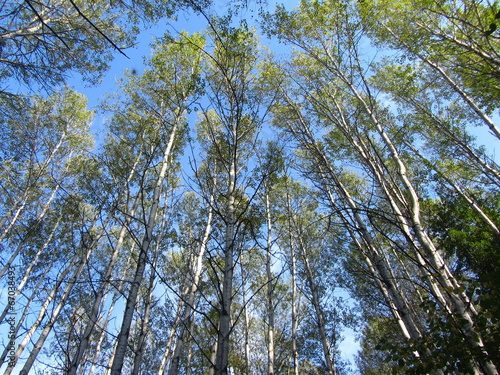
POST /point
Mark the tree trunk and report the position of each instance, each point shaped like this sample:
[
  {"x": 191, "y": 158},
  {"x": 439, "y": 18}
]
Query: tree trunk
[
  {"x": 246, "y": 327},
  {"x": 43, "y": 310},
  {"x": 55, "y": 313},
  {"x": 320, "y": 319},
  {"x": 26, "y": 310},
  {"x": 293, "y": 271},
  {"x": 94, "y": 312},
  {"x": 27, "y": 272},
  {"x": 270, "y": 289},
  {"x": 222, "y": 358},
  {"x": 122, "y": 341},
  {"x": 188, "y": 307}
]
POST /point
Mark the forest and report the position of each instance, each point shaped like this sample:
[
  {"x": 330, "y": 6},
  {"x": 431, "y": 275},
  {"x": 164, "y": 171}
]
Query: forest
[{"x": 269, "y": 183}]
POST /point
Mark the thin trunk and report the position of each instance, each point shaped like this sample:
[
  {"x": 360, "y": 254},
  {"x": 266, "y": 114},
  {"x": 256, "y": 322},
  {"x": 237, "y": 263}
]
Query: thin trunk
[
  {"x": 94, "y": 312},
  {"x": 295, "y": 320},
  {"x": 189, "y": 355},
  {"x": 42, "y": 311},
  {"x": 221, "y": 363},
  {"x": 38, "y": 220},
  {"x": 188, "y": 307},
  {"x": 213, "y": 357},
  {"x": 102, "y": 335},
  {"x": 144, "y": 327},
  {"x": 27, "y": 273},
  {"x": 26, "y": 310},
  {"x": 55, "y": 313},
  {"x": 393, "y": 194},
  {"x": 168, "y": 352},
  {"x": 319, "y": 312},
  {"x": 119, "y": 292},
  {"x": 270, "y": 290},
  {"x": 246, "y": 328},
  {"x": 293, "y": 271},
  {"x": 483, "y": 116},
  {"x": 122, "y": 342},
  {"x": 489, "y": 168}
]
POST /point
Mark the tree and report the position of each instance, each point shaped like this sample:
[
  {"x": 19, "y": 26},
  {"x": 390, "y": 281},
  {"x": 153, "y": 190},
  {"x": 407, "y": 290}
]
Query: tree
[
  {"x": 228, "y": 132},
  {"x": 454, "y": 39},
  {"x": 41, "y": 42},
  {"x": 175, "y": 71}
]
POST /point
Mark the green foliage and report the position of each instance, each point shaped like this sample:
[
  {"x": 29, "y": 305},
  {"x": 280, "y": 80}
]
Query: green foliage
[
  {"x": 42, "y": 42},
  {"x": 473, "y": 245},
  {"x": 458, "y": 36}
]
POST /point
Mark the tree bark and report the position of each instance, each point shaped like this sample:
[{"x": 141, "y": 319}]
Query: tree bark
[
  {"x": 123, "y": 336},
  {"x": 270, "y": 288}
]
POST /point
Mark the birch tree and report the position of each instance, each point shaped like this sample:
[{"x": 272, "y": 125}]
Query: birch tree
[
  {"x": 162, "y": 117},
  {"x": 228, "y": 131}
]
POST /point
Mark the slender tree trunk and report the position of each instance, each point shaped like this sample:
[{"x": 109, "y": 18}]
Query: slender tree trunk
[
  {"x": 222, "y": 358},
  {"x": 55, "y": 314},
  {"x": 188, "y": 308},
  {"x": 293, "y": 271},
  {"x": 94, "y": 312},
  {"x": 213, "y": 356},
  {"x": 26, "y": 309},
  {"x": 119, "y": 292},
  {"x": 144, "y": 327},
  {"x": 270, "y": 290},
  {"x": 100, "y": 339},
  {"x": 319, "y": 312},
  {"x": 168, "y": 352},
  {"x": 39, "y": 219},
  {"x": 122, "y": 342},
  {"x": 189, "y": 355},
  {"x": 27, "y": 272},
  {"x": 246, "y": 327},
  {"x": 43, "y": 310}
]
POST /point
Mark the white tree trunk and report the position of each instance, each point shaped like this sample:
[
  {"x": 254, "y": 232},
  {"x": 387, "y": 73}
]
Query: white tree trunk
[
  {"x": 320, "y": 319},
  {"x": 55, "y": 313},
  {"x": 122, "y": 341},
  {"x": 270, "y": 289},
  {"x": 187, "y": 320}
]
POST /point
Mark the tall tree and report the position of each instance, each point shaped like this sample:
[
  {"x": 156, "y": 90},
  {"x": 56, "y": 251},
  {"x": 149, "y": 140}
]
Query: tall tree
[
  {"x": 228, "y": 131},
  {"x": 160, "y": 118}
]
